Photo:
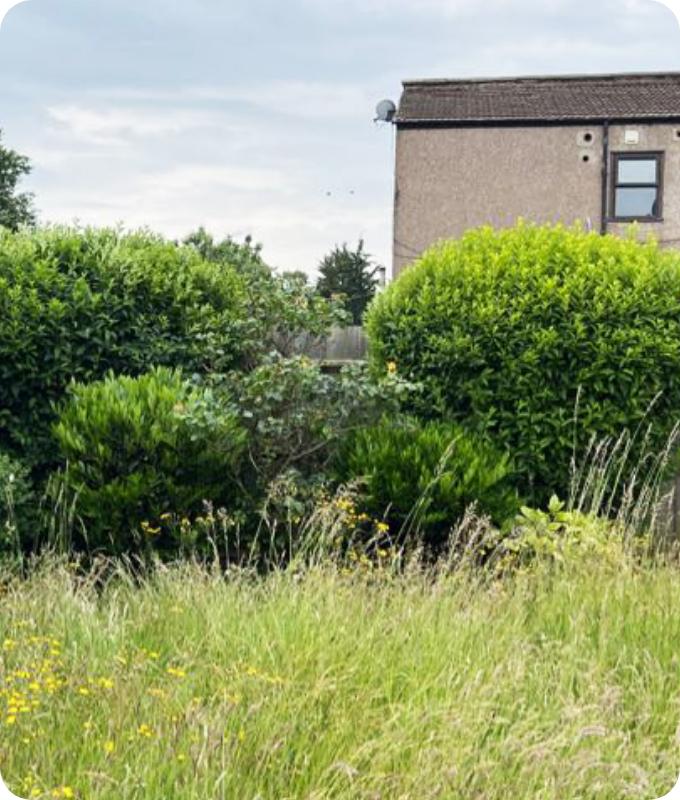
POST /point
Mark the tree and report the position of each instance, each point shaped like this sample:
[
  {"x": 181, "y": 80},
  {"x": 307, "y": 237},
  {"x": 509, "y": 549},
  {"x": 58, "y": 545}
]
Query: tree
[
  {"x": 246, "y": 257},
  {"x": 16, "y": 208},
  {"x": 296, "y": 277},
  {"x": 291, "y": 313},
  {"x": 349, "y": 275}
]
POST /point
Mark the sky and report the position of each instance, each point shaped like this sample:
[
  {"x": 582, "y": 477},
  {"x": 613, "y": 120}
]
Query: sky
[{"x": 255, "y": 117}]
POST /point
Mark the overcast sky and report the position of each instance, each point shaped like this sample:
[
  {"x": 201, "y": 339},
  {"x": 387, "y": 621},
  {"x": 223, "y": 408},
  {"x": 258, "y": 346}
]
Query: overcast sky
[{"x": 255, "y": 116}]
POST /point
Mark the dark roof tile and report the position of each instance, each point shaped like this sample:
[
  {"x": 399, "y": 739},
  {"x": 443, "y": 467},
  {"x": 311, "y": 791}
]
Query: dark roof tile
[{"x": 541, "y": 99}]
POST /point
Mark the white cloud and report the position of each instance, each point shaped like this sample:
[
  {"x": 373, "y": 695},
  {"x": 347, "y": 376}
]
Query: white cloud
[
  {"x": 309, "y": 99},
  {"x": 198, "y": 178},
  {"x": 117, "y": 125}
]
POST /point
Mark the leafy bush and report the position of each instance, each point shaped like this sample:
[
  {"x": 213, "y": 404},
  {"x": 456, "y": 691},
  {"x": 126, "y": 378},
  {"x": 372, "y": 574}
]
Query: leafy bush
[
  {"x": 424, "y": 476},
  {"x": 17, "y": 503},
  {"x": 141, "y": 451},
  {"x": 297, "y": 413},
  {"x": 507, "y": 330},
  {"x": 76, "y": 304},
  {"x": 289, "y": 314},
  {"x": 561, "y": 538}
]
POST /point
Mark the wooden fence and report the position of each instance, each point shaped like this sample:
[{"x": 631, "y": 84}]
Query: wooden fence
[{"x": 342, "y": 346}]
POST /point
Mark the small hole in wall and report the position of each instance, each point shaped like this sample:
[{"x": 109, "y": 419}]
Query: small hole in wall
[
  {"x": 588, "y": 137},
  {"x": 677, "y": 134},
  {"x": 586, "y": 159}
]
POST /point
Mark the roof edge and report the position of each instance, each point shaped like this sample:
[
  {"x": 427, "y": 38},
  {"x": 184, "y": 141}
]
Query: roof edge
[
  {"x": 533, "y": 122},
  {"x": 544, "y": 78}
]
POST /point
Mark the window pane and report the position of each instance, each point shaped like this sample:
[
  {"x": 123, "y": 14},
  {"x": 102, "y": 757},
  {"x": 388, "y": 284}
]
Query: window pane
[
  {"x": 636, "y": 203},
  {"x": 637, "y": 170}
]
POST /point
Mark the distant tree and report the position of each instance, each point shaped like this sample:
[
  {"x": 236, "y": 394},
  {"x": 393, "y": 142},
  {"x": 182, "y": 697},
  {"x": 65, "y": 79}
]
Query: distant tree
[
  {"x": 16, "y": 208},
  {"x": 245, "y": 257},
  {"x": 286, "y": 308},
  {"x": 295, "y": 276},
  {"x": 349, "y": 276}
]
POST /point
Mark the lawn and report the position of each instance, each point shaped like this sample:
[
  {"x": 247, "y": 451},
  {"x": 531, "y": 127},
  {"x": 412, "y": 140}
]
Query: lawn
[{"x": 325, "y": 684}]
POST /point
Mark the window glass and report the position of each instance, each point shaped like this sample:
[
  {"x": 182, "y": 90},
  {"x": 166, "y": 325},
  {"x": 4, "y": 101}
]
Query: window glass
[
  {"x": 637, "y": 170},
  {"x": 636, "y": 202}
]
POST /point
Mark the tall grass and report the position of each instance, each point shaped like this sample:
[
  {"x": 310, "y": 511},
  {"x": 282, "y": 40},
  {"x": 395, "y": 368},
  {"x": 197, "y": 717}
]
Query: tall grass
[
  {"x": 622, "y": 478},
  {"x": 337, "y": 683}
]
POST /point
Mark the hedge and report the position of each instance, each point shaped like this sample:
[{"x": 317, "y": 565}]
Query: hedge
[
  {"x": 505, "y": 330},
  {"x": 75, "y": 305}
]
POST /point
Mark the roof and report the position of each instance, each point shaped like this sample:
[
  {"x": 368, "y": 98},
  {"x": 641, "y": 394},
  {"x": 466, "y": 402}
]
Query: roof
[{"x": 542, "y": 99}]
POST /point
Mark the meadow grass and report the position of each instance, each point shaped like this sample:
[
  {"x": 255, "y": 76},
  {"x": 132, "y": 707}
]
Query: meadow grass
[{"x": 325, "y": 684}]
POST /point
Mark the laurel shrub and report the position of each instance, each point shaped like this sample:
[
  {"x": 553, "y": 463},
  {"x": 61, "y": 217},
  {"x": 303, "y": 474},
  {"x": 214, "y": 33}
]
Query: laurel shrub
[{"x": 539, "y": 338}]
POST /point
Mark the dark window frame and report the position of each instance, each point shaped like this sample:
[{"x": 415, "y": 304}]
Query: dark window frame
[{"x": 653, "y": 155}]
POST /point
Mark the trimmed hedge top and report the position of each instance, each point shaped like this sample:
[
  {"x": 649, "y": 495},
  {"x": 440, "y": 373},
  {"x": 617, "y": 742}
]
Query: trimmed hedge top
[
  {"x": 507, "y": 329},
  {"x": 78, "y": 304}
]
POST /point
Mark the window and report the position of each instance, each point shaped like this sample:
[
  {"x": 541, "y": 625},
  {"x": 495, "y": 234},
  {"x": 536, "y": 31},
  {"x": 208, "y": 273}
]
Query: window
[{"x": 636, "y": 186}]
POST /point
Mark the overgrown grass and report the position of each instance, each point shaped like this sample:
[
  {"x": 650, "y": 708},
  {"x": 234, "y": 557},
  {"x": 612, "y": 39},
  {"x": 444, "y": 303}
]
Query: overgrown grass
[{"x": 331, "y": 684}]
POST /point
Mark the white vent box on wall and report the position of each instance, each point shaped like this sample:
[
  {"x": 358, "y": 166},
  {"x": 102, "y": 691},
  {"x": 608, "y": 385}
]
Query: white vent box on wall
[{"x": 632, "y": 137}]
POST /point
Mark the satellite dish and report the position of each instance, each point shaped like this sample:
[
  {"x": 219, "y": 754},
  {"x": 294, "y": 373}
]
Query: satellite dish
[{"x": 385, "y": 111}]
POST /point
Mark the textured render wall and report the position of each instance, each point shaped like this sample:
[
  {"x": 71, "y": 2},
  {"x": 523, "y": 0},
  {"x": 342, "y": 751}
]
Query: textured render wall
[{"x": 451, "y": 179}]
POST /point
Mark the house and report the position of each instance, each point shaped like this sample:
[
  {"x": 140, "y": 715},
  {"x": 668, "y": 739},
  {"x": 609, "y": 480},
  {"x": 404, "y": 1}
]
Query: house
[{"x": 600, "y": 149}]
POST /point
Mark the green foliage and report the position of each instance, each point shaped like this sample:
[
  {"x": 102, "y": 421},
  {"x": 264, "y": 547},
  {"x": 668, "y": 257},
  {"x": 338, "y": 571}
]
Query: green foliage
[
  {"x": 16, "y": 208},
  {"x": 246, "y": 257},
  {"x": 142, "y": 450},
  {"x": 286, "y": 313},
  {"x": 348, "y": 275},
  {"x": 563, "y": 538},
  {"x": 508, "y": 330},
  {"x": 424, "y": 476},
  {"x": 76, "y": 304},
  {"x": 297, "y": 414},
  {"x": 17, "y": 504}
]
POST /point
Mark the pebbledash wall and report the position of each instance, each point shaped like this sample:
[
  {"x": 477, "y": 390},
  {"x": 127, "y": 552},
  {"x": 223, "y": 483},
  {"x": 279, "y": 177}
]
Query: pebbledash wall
[{"x": 449, "y": 180}]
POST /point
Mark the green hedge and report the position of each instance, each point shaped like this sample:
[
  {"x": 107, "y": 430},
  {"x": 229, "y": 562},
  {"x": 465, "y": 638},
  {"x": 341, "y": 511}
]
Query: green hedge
[
  {"x": 76, "y": 304},
  {"x": 506, "y": 329}
]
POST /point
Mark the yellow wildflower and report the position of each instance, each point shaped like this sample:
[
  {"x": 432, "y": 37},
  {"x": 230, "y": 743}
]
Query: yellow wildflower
[
  {"x": 176, "y": 672},
  {"x": 149, "y": 530}
]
